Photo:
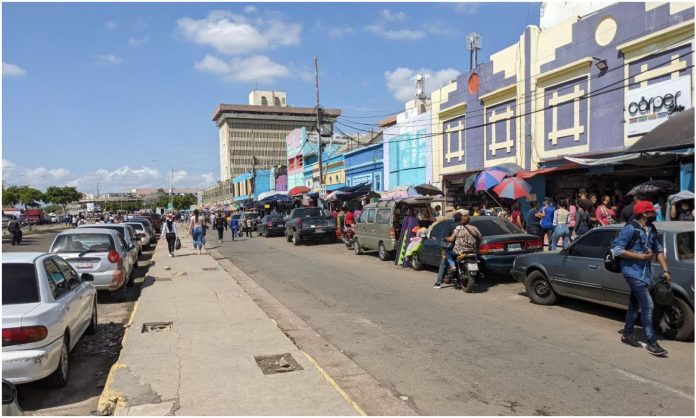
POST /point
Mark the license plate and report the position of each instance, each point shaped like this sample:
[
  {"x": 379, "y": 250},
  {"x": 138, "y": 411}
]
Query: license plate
[
  {"x": 313, "y": 226},
  {"x": 472, "y": 267},
  {"x": 319, "y": 230},
  {"x": 515, "y": 247},
  {"x": 83, "y": 265},
  {"x": 279, "y": 225}
]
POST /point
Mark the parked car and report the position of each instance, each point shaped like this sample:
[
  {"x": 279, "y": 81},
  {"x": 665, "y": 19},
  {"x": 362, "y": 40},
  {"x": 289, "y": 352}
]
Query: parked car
[
  {"x": 46, "y": 307},
  {"x": 380, "y": 223},
  {"x": 271, "y": 224},
  {"x": 53, "y": 218},
  {"x": 101, "y": 252},
  {"x": 6, "y": 220},
  {"x": 254, "y": 216},
  {"x": 127, "y": 233},
  {"x": 10, "y": 406},
  {"x": 309, "y": 223},
  {"x": 142, "y": 233},
  {"x": 502, "y": 242},
  {"x": 35, "y": 216},
  {"x": 578, "y": 272},
  {"x": 156, "y": 220},
  {"x": 148, "y": 225}
]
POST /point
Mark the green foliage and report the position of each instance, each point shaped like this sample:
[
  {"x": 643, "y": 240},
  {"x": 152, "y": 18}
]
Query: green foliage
[
  {"x": 29, "y": 196},
  {"x": 62, "y": 195},
  {"x": 10, "y": 196}
]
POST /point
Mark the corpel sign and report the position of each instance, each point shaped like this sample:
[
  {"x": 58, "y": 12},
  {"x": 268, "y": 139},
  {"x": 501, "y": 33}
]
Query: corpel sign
[{"x": 648, "y": 107}]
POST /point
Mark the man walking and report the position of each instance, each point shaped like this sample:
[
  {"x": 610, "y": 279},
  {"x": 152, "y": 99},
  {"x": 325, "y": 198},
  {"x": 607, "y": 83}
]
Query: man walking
[
  {"x": 637, "y": 246},
  {"x": 234, "y": 227}
]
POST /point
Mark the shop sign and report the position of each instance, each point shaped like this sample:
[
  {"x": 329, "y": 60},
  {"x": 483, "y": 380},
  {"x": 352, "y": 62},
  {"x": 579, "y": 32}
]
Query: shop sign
[{"x": 648, "y": 107}]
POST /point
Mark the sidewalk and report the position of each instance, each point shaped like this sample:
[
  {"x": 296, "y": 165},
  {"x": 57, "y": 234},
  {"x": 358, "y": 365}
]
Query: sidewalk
[{"x": 204, "y": 362}]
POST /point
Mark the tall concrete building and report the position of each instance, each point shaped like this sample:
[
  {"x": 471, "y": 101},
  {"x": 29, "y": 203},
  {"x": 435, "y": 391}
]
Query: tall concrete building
[{"x": 260, "y": 129}]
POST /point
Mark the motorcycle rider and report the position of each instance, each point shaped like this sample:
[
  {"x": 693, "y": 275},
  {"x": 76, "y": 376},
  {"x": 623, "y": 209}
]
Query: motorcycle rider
[
  {"x": 15, "y": 231},
  {"x": 466, "y": 239}
]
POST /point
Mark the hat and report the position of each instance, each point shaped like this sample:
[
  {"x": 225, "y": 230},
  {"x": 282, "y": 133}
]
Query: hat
[
  {"x": 643, "y": 206},
  {"x": 464, "y": 212}
]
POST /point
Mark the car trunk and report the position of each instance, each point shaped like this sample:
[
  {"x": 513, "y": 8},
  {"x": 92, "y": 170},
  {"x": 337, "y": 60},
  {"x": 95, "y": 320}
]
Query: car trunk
[
  {"x": 510, "y": 244},
  {"x": 14, "y": 316},
  {"x": 90, "y": 262}
]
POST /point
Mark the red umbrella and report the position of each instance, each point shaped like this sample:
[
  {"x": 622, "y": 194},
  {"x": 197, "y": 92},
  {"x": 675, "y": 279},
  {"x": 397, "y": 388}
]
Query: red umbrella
[
  {"x": 513, "y": 188},
  {"x": 489, "y": 178},
  {"x": 296, "y": 191}
]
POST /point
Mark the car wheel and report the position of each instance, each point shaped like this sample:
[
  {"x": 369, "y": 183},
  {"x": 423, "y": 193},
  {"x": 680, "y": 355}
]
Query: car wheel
[
  {"x": 59, "y": 377},
  {"x": 416, "y": 263},
  {"x": 331, "y": 238},
  {"x": 356, "y": 247},
  {"x": 296, "y": 239},
  {"x": 131, "y": 278},
  {"x": 288, "y": 238},
  {"x": 675, "y": 322},
  {"x": 384, "y": 255},
  {"x": 92, "y": 329},
  {"x": 539, "y": 289}
]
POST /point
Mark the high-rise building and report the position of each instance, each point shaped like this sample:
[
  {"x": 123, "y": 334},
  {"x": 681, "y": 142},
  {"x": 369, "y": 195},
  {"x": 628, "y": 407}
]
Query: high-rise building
[{"x": 259, "y": 130}]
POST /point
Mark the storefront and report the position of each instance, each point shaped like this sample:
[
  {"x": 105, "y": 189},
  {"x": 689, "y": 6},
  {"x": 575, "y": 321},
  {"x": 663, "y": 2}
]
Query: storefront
[{"x": 365, "y": 166}]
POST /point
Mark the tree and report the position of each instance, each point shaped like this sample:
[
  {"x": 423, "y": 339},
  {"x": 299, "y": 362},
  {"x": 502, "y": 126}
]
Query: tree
[
  {"x": 62, "y": 195},
  {"x": 10, "y": 196},
  {"x": 29, "y": 196}
]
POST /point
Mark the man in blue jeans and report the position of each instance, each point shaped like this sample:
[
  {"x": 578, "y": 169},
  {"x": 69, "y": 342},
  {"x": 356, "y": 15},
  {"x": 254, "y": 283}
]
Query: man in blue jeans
[{"x": 636, "y": 268}]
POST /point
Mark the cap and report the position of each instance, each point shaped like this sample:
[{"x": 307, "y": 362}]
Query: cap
[{"x": 642, "y": 207}]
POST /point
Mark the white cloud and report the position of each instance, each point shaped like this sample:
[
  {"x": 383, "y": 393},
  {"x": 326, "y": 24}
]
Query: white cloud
[
  {"x": 256, "y": 68},
  {"x": 110, "y": 24},
  {"x": 334, "y": 31},
  {"x": 440, "y": 28},
  {"x": 250, "y": 9},
  {"x": 109, "y": 59},
  {"x": 138, "y": 41},
  {"x": 393, "y": 16},
  {"x": 8, "y": 167},
  {"x": 12, "y": 70},
  {"x": 388, "y": 18},
  {"x": 467, "y": 8},
  {"x": 401, "y": 81},
  {"x": 235, "y": 34}
]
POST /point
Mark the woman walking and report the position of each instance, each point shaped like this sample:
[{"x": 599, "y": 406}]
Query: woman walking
[
  {"x": 196, "y": 230},
  {"x": 516, "y": 216},
  {"x": 560, "y": 223},
  {"x": 582, "y": 220},
  {"x": 605, "y": 214},
  {"x": 220, "y": 225},
  {"x": 169, "y": 233}
]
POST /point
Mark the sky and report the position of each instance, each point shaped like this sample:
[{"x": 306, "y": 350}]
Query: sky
[{"x": 93, "y": 92}]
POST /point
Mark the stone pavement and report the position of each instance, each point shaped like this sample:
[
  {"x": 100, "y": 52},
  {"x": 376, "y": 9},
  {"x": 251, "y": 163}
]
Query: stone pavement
[{"x": 199, "y": 355}]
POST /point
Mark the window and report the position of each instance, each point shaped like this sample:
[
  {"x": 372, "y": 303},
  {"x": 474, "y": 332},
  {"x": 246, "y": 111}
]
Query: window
[
  {"x": 685, "y": 246},
  {"x": 276, "y": 101},
  {"x": 371, "y": 214},
  {"x": 56, "y": 280},
  {"x": 363, "y": 217},
  {"x": 443, "y": 230},
  {"x": 377, "y": 184},
  {"x": 68, "y": 272},
  {"x": 264, "y": 101},
  {"x": 494, "y": 227},
  {"x": 383, "y": 216},
  {"x": 594, "y": 244},
  {"x": 82, "y": 242},
  {"x": 349, "y": 181},
  {"x": 19, "y": 284}
]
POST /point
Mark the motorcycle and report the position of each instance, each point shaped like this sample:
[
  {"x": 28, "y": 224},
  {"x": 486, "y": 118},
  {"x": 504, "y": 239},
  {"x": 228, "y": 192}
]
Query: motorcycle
[
  {"x": 466, "y": 272},
  {"x": 348, "y": 237}
]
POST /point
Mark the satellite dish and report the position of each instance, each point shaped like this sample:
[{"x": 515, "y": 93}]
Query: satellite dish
[
  {"x": 474, "y": 81},
  {"x": 419, "y": 77},
  {"x": 419, "y": 92}
]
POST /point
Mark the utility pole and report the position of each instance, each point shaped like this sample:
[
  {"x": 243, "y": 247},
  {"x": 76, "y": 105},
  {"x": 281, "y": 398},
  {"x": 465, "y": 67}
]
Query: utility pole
[
  {"x": 253, "y": 163},
  {"x": 320, "y": 146}
]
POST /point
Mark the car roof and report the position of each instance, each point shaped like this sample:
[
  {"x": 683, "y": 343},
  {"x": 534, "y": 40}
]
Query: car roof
[
  {"x": 89, "y": 231},
  {"x": 671, "y": 226},
  {"x": 27, "y": 257},
  {"x": 105, "y": 226}
]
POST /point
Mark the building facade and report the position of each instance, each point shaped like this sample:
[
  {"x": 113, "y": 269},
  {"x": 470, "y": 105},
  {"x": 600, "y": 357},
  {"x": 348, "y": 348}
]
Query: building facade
[
  {"x": 408, "y": 148},
  {"x": 365, "y": 165}
]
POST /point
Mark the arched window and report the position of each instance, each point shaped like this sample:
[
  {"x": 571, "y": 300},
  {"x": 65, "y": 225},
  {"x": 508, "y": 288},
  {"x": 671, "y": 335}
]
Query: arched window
[{"x": 264, "y": 101}]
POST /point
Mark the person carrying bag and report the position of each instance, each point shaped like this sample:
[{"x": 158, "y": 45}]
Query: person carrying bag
[{"x": 170, "y": 234}]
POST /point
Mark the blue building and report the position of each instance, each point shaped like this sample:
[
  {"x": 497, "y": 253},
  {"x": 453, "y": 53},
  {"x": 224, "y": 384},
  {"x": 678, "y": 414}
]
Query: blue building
[
  {"x": 242, "y": 185},
  {"x": 365, "y": 165}
]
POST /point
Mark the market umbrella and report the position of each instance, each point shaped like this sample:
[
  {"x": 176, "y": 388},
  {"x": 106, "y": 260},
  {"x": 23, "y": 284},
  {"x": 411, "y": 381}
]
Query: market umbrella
[
  {"x": 510, "y": 168},
  {"x": 470, "y": 181},
  {"x": 427, "y": 189},
  {"x": 296, "y": 191},
  {"x": 489, "y": 178},
  {"x": 513, "y": 188},
  {"x": 652, "y": 186}
]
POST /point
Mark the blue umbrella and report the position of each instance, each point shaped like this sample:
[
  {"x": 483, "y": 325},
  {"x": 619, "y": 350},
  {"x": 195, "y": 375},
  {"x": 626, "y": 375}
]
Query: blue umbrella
[{"x": 489, "y": 178}]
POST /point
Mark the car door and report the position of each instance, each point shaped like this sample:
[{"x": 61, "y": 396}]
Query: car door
[
  {"x": 369, "y": 241},
  {"x": 580, "y": 269},
  {"x": 79, "y": 287},
  {"x": 431, "y": 254},
  {"x": 67, "y": 301},
  {"x": 383, "y": 227}
]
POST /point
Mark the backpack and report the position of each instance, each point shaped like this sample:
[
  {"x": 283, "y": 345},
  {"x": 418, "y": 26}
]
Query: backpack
[{"x": 613, "y": 263}]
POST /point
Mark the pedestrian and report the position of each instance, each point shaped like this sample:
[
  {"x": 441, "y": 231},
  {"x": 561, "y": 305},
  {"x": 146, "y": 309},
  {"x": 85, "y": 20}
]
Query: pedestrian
[
  {"x": 561, "y": 217},
  {"x": 682, "y": 211},
  {"x": 234, "y": 226},
  {"x": 659, "y": 209},
  {"x": 74, "y": 221},
  {"x": 357, "y": 212},
  {"x": 15, "y": 230},
  {"x": 572, "y": 210},
  {"x": 196, "y": 230},
  {"x": 516, "y": 216},
  {"x": 545, "y": 216},
  {"x": 637, "y": 245},
  {"x": 437, "y": 211},
  {"x": 533, "y": 225},
  {"x": 627, "y": 212},
  {"x": 582, "y": 221},
  {"x": 249, "y": 224},
  {"x": 604, "y": 214},
  {"x": 227, "y": 220},
  {"x": 449, "y": 256},
  {"x": 593, "y": 210},
  {"x": 220, "y": 225},
  {"x": 169, "y": 233},
  {"x": 584, "y": 201}
]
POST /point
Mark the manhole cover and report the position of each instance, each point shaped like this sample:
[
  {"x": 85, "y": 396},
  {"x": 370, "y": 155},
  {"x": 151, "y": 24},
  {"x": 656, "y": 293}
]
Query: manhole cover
[
  {"x": 157, "y": 326},
  {"x": 210, "y": 269},
  {"x": 279, "y": 363}
]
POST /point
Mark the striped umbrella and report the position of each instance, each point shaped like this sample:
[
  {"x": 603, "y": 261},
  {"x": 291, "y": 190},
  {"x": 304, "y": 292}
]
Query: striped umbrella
[
  {"x": 513, "y": 188},
  {"x": 489, "y": 178}
]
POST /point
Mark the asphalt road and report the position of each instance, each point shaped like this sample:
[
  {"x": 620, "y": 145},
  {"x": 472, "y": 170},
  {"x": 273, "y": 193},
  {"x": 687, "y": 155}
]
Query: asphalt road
[
  {"x": 488, "y": 353},
  {"x": 93, "y": 355}
]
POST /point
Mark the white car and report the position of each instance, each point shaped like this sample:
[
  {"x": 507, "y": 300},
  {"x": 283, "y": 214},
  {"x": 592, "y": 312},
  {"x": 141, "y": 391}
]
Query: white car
[
  {"x": 142, "y": 232},
  {"x": 46, "y": 308}
]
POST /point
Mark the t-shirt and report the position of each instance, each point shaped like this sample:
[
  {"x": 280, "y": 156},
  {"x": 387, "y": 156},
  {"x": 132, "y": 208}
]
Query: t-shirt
[
  {"x": 627, "y": 213},
  {"x": 547, "y": 220},
  {"x": 467, "y": 238},
  {"x": 532, "y": 220}
]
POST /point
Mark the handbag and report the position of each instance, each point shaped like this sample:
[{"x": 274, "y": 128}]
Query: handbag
[
  {"x": 177, "y": 244},
  {"x": 662, "y": 294}
]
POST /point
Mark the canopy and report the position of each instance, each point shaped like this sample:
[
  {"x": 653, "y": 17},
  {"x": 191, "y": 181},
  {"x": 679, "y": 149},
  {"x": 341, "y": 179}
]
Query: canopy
[
  {"x": 637, "y": 158},
  {"x": 676, "y": 132},
  {"x": 265, "y": 195}
]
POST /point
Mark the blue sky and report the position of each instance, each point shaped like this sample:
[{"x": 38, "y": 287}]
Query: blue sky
[{"x": 93, "y": 92}]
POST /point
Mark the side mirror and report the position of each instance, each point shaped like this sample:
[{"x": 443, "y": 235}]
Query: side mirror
[{"x": 86, "y": 277}]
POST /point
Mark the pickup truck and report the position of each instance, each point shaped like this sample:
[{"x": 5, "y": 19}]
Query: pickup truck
[{"x": 309, "y": 223}]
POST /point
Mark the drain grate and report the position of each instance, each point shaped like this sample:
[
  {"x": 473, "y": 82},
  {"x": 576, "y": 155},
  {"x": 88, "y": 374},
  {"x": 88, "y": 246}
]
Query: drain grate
[
  {"x": 157, "y": 326},
  {"x": 211, "y": 268},
  {"x": 279, "y": 363}
]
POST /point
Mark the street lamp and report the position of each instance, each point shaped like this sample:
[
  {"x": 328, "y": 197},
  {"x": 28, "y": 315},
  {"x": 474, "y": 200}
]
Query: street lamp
[{"x": 171, "y": 189}]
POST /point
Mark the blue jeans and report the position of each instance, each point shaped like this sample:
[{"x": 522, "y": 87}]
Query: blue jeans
[
  {"x": 560, "y": 231},
  {"x": 640, "y": 300},
  {"x": 197, "y": 235},
  {"x": 449, "y": 258},
  {"x": 234, "y": 233}
]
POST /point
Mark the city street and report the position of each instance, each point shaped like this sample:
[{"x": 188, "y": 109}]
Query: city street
[
  {"x": 450, "y": 353},
  {"x": 93, "y": 355}
]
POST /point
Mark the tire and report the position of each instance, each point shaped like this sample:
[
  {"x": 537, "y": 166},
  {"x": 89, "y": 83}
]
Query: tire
[
  {"x": 539, "y": 289},
  {"x": 384, "y": 255},
  {"x": 331, "y": 238},
  {"x": 469, "y": 283},
  {"x": 675, "y": 322},
  {"x": 60, "y": 376},
  {"x": 92, "y": 328},
  {"x": 288, "y": 238},
  {"x": 356, "y": 247},
  {"x": 416, "y": 263},
  {"x": 296, "y": 240},
  {"x": 131, "y": 278}
]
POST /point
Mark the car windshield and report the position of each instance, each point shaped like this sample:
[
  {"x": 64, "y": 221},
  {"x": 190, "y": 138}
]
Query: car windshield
[
  {"x": 685, "y": 245},
  {"x": 494, "y": 227},
  {"x": 19, "y": 284},
  {"x": 138, "y": 227},
  {"x": 309, "y": 213},
  {"x": 78, "y": 243}
]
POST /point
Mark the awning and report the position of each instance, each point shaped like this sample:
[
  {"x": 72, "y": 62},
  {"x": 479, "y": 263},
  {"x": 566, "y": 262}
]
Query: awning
[
  {"x": 637, "y": 158},
  {"x": 677, "y": 132},
  {"x": 524, "y": 174}
]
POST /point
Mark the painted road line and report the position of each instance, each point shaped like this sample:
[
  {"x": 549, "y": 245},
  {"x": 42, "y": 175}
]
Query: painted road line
[
  {"x": 668, "y": 388},
  {"x": 335, "y": 385}
]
